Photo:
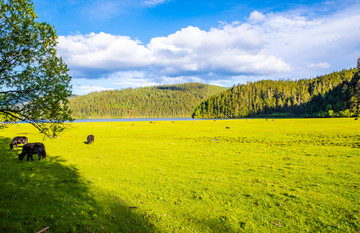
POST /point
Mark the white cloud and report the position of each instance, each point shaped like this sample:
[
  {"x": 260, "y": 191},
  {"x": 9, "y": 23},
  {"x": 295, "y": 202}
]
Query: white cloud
[
  {"x": 256, "y": 17},
  {"x": 181, "y": 79},
  {"x": 280, "y": 23},
  {"x": 116, "y": 80},
  {"x": 271, "y": 45},
  {"x": 322, "y": 65},
  {"x": 154, "y": 2},
  {"x": 232, "y": 48},
  {"x": 142, "y": 79},
  {"x": 131, "y": 79},
  {"x": 103, "y": 51},
  {"x": 300, "y": 41}
]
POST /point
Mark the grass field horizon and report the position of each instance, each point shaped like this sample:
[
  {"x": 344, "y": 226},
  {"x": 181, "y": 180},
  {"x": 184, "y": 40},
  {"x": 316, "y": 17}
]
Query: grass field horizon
[{"x": 255, "y": 175}]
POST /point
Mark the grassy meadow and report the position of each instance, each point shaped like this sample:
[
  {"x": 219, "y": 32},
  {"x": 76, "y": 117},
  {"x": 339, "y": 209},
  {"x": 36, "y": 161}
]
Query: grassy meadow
[{"x": 257, "y": 175}]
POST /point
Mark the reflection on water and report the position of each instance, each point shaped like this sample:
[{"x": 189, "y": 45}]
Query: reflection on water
[
  {"x": 153, "y": 119},
  {"x": 144, "y": 119},
  {"x": 137, "y": 119}
]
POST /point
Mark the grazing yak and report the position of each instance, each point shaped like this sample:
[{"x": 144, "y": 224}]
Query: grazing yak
[
  {"x": 33, "y": 148},
  {"x": 18, "y": 140},
  {"x": 90, "y": 139}
]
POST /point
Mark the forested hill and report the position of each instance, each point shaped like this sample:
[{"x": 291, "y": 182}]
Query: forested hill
[
  {"x": 335, "y": 94},
  {"x": 158, "y": 101}
]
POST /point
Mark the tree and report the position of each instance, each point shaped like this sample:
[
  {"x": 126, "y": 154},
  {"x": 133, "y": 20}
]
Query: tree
[
  {"x": 337, "y": 92},
  {"x": 34, "y": 83}
]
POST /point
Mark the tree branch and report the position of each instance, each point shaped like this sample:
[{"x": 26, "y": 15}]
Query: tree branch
[{"x": 20, "y": 91}]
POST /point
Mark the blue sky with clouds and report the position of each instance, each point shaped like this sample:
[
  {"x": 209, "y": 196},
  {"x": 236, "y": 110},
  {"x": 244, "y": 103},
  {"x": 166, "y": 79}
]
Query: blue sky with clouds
[{"x": 110, "y": 44}]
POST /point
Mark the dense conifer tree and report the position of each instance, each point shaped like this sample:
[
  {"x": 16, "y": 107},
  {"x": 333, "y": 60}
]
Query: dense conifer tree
[
  {"x": 158, "y": 101},
  {"x": 335, "y": 94}
]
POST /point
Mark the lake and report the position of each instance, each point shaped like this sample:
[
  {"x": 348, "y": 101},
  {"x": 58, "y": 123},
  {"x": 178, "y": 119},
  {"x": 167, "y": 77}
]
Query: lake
[{"x": 136, "y": 119}]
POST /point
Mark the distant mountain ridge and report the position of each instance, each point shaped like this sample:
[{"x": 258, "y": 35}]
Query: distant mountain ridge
[{"x": 157, "y": 101}]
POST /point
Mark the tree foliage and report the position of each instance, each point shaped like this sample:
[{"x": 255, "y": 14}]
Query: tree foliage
[
  {"x": 335, "y": 94},
  {"x": 34, "y": 84},
  {"x": 158, "y": 101}
]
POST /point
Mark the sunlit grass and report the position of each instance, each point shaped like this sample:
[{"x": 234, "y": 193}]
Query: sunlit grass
[{"x": 288, "y": 175}]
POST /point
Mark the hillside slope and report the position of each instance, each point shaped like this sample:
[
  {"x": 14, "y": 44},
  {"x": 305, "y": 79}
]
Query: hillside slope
[
  {"x": 158, "y": 101},
  {"x": 335, "y": 94}
]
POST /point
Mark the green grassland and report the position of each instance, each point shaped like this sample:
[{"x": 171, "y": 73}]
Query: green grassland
[{"x": 257, "y": 175}]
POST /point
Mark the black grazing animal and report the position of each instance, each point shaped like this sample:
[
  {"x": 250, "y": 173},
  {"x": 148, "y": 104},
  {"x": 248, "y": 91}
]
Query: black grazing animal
[
  {"x": 33, "y": 148},
  {"x": 90, "y": 139},
  {"x": 18, "y": 140}
]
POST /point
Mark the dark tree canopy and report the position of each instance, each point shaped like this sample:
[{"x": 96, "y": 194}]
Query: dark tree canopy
[
  {"x": 34, "y": 83},
  {"x": 157, "y": 101}
]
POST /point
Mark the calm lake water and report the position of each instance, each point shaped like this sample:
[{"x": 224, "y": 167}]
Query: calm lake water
[
  {"x": 147, "y": 119},
  {"x": 137, "y": 119}
]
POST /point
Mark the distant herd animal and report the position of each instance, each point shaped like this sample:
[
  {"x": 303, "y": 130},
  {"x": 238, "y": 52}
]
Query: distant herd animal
[
  {"x": 18, "y": 140},
  {"x": 90, "y": 139},
  {"x": 29, "y": 149}
]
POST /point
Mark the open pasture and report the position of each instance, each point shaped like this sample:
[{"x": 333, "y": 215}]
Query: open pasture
[{"x": 256, "y": 175}]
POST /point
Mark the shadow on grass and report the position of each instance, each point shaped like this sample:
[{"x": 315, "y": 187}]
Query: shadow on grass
[{"x": 39, "y": 194}]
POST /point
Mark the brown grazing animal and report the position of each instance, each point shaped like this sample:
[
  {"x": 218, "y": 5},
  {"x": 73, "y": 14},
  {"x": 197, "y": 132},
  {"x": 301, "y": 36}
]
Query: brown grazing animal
[
  {"x": 33, "y": 148},
  {"x": 18, "y": 140},
  {"x": 90, "y": 139}
]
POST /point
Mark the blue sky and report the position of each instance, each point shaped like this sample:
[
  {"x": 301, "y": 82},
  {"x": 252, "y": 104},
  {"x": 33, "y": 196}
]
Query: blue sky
[{"x": 110, "y": 44}]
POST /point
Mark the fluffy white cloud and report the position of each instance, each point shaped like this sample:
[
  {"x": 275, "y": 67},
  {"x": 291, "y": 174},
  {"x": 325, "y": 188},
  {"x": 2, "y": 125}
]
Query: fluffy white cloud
[
  {"x": 271, "y": 45},
  {"x": 299, "y": 40},
  {"x": 232, "y": 48},
  {"x": 103, "y": 51},
  {"x": 256, "y": 17},
  {"x": 131, "y": 79}
]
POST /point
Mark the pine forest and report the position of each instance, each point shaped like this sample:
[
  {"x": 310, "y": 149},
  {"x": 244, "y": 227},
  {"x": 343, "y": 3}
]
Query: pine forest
[
  {"x": 144, "y": 102},
  {"x": 333, "y": 95}
]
